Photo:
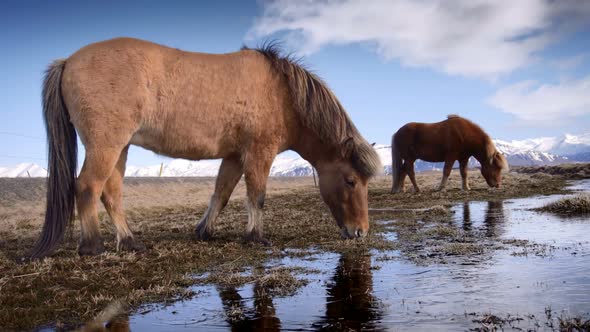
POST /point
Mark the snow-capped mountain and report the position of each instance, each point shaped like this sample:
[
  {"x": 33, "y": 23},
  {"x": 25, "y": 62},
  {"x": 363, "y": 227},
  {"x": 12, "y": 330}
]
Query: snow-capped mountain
[
  {"x": 571, "y": 146},
  {"x": 177, "y": 167},
  {"x": 282, "y": 166},
  {"x": 518, "y": 154},
  {"x": 22, "y": 171},
  {"x": 528, "y": 152}
]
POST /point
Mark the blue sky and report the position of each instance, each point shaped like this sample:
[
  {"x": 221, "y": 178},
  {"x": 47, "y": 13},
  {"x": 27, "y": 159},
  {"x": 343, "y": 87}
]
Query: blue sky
[{"x": 520, "y": 70}]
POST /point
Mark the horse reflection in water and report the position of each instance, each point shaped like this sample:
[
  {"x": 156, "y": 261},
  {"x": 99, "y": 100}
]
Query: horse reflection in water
[
  {"x": 262, "y": 317},
  {"x": 493, "y": 219},
  {"x": 112, "y": 322},
  {"x": 350, "y": 303}
]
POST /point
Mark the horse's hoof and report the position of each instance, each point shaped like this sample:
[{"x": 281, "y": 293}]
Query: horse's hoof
[
  {"x": 91, "y": 247},
  {"x": 131, "y": 244},
  {"x": 203, "y": 234},
  {"x": 257, "y": 238}
]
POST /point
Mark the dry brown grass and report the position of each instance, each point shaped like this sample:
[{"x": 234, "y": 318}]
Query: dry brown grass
[
  {"x": 22, "y": 200},
  {"x": 569, "y": 171},
  {"x": 579, "y": 204},
  {"x": 488, "y": 322},
  {"x": 571, "y": 324},
  {"x": 67, "y": 289},
  {"x": 279, "y": 281}
]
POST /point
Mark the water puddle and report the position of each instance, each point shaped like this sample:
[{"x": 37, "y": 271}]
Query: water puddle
[{"x": 386, "y": 291}]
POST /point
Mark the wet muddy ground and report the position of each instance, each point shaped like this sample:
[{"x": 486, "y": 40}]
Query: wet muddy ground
[
  {"x": 448, "y": 260},
  {"x": 533, "y": 286}
]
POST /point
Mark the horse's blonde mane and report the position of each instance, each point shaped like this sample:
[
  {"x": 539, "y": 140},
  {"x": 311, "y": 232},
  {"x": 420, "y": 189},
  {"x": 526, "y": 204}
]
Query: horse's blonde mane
[
  {"x": 503, "y": 162},
  {"x": 319, "y": 110}
]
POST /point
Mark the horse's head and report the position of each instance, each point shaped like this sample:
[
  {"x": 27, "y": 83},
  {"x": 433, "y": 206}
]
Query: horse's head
[
  {"x": 493, "y": 168},
  {"x": 344, "y": 186}
]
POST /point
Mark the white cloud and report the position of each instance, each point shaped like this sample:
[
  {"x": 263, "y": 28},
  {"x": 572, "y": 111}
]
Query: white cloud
[
  {"x": 545, "y": 104},
  {"x": 475, "y": 38},
  {"x": 570, "y": 62}
]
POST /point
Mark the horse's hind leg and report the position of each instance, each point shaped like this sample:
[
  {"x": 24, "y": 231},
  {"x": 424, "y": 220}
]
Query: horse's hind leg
[
  {"x": 229, "y": 175},
  {"x": 256, "y": 169},
  {"x": 411, "y": 174},
  {"x": 463, "y": 168},
  {"x": 398, "y": 179},
  {"x": 112, "y": 198},
  {"x": 98, "y": 167},
  {"x": 402, "y": 178}
]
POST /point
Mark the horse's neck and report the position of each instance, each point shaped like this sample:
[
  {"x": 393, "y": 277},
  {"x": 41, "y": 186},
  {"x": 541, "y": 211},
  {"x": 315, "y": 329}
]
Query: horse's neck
[
  {"x": 311, "y": 148},
  {"x": 484, "y": 154}
]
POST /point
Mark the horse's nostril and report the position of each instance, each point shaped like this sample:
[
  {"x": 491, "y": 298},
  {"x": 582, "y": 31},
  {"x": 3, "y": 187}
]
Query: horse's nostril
[{"x": 359, "y": 233}]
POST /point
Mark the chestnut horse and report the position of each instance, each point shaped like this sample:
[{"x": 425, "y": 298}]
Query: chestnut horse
[
  {"x": 455, "y": 138},
  {"x": 243, "y": 107}
]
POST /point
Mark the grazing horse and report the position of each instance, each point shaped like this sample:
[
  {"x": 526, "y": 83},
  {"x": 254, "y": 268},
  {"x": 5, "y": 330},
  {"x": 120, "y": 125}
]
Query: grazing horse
[
  {"x": 243, "y": 107},
  {"x": 453, "y": 139}
]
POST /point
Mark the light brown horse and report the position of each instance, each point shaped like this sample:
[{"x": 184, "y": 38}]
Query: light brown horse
[
  {"x": 244, "y": 107},
  {"x": 453, "y": 139}
]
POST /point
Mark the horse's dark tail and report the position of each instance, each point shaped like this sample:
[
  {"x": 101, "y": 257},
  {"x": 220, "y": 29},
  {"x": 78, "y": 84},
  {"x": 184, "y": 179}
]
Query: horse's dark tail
[
  {"x": 396, "y": 166},
  {"x": 62, "y": 163}
]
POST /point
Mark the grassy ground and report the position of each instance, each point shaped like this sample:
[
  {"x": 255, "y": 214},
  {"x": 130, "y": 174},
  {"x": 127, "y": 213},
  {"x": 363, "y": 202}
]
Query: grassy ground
[
  {"x": 67, "y": 289},
  {"x": 576, "y": 205},
  {"x": 552, "y": 321},
  {"x": 570, "y": 171}
]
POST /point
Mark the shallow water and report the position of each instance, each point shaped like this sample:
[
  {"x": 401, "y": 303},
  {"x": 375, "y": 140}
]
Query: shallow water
[{"x": 385, "y": 291}]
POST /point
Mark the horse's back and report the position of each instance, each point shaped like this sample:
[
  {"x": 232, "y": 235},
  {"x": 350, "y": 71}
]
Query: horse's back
[
  {"x": 128, "y": 67},
  {"x": 177, "y": 103},
  {"x": 454, "y": 137}
]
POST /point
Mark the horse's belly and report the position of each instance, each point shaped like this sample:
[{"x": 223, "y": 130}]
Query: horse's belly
[
  {"x": 435, "y": 154},
  {"x": 178, "y": 146}
]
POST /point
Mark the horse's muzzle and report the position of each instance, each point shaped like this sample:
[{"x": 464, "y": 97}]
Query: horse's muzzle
[{"x": 356, "y": 233}]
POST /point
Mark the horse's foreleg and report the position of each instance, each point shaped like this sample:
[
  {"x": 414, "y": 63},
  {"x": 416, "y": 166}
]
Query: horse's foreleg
[
  {"x": 97, "y": 168},
  {"x": 230, "y": 172},
  {"x": 463, "y": 168},
  {"x": 256, "y": 175},
  {"x": 446, "y": 172},
  {"x": 411, "y": 174},
  {"x": 112, "y": 198}
]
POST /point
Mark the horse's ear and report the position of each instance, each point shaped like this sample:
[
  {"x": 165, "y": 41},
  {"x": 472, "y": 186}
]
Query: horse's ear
[{"x": 348, "y": 147}]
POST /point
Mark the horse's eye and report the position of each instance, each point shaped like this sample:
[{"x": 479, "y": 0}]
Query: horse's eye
[{"x": 350, "y": 182}]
